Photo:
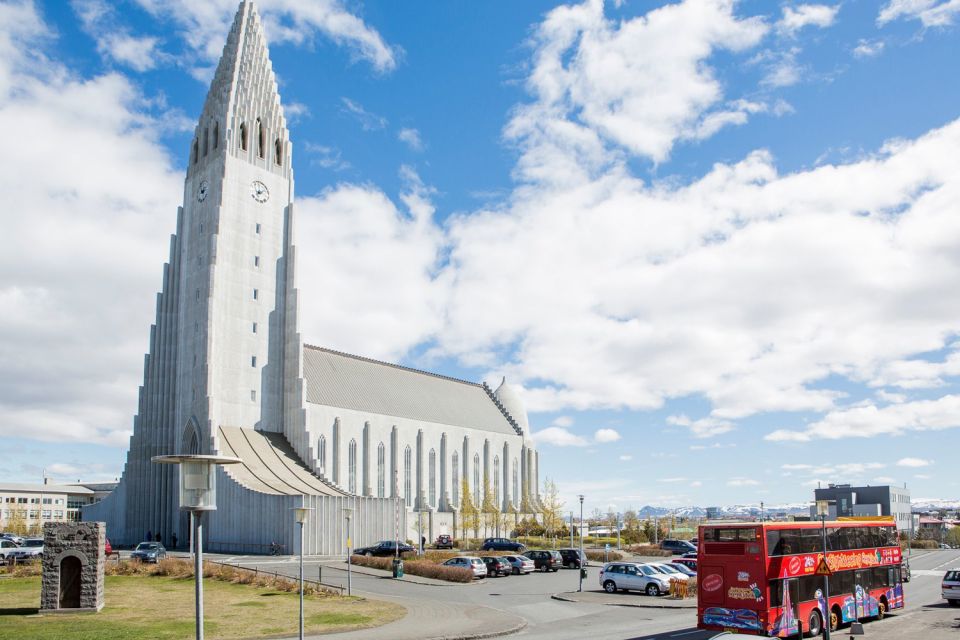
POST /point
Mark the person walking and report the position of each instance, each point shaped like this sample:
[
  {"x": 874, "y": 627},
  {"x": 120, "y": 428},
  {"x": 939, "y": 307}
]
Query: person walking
[{"x": 173, "y": 540}]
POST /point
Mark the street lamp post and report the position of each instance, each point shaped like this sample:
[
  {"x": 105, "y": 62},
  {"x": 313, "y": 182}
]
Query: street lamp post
[
  {"x": 300, "y": 515},
  {"x": 823, "y": 508},
  {"x": 348, "y": 513},
  {"x": 580, "y": 588},
  {"x": 198, "y": 493}
]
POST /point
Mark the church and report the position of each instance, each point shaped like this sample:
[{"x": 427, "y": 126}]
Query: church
[{"x": 228, "y": 372}]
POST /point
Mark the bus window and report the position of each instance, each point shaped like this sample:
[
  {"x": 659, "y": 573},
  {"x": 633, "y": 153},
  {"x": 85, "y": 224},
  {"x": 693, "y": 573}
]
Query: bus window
[{"x": 811, "y": 541}]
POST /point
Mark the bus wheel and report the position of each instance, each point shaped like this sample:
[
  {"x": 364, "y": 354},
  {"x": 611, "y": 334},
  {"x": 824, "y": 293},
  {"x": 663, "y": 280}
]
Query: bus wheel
[
  {"x": 814, "y": 624},
  {"x": 834, "y": 619},
  {"x": 881, "y": 609}
]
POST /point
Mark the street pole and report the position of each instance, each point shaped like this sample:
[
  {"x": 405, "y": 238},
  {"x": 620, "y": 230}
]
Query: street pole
[
  {"x": 396, "y": 509},
  {"x": 656, "y": 531},
  {"x": 301, "y": 581},
  {"x": 580, "y": 572},
  {"x": 761, "y": 511},
  {"x": 198, "y": 571},
  {"x": 826, "y": 580},
  {"x": 420, "y": 530},
  {"x": 571, "y": 530},
  {"x": 619, "y": 526},
  {"x": 349, "y": 554}
]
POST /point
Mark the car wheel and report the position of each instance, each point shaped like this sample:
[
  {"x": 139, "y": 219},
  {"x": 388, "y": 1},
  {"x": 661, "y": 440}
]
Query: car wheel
[
  {"x": 516, "y": 571},
  {"x": 610, "y": 586},
  {"x": 554, "y": 569},
  {"x": 954, "y": 603},
  {"x": 815, "y": 623},
  {"x": 652, "y": 590}
]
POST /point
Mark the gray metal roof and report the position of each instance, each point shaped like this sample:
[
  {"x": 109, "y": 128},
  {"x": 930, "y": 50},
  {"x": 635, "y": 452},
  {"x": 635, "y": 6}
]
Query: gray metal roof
[
  {"x": 342, "y": 380},
  {"x": 43, "y": 488}
]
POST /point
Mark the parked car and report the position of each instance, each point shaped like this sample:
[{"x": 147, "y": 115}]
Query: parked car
[
  {"x": 31, "y": 549},
  {"x": 632, "y": 576},
  {"x": 944, "y": 546},
  {"x": 544, "y": 560},
  {"x": 521, "y": 564},
  {"x": 672, "y": 572},
  {"x": 502, "y": 544},
  {"x": 7, "y": 547},
  {"x": 444, "y": 541},
  {"x": 678, "y": 547},
  {"x": 689, "y": 563},
  {"x": 690, "y": 554},
  {"x": 497, "y": 566},
  {"x": 694, "y": 541},
  {"x": 950, "y": 587},
  {"x": 572, "y": 558},
  {"x": 469, "y": 562},
  {"x": 149, "y": 552},
  {"x": 383, "y": 549},
  {"x": 12, "y": 537}
]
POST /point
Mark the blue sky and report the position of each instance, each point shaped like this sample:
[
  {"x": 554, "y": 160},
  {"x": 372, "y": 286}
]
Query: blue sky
[{"x": 716, "y": 243}]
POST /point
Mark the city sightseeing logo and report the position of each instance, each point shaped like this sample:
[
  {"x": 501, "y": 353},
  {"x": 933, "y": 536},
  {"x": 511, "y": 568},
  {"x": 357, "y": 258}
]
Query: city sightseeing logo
[{"x": 745, "y": 593}]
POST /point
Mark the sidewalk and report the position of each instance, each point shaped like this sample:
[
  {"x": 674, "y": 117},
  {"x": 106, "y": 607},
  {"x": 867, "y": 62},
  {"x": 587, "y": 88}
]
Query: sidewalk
[{"x": 625, "y": 600}]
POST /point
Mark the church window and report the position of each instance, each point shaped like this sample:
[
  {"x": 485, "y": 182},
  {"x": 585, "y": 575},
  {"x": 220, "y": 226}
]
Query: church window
[
  {"x": 255, "y": 294},
  {"x": 253, "y": 395},
  {"x": 243, "y": 136},
  {"x": 496, "y": 480},
  {"x": 254, "y": 327},
  {"x": 407, "y": 491},
  {"x": 253, "y": 361},
  {"x": 381, "y": 471},
  {"x": 476, "y": 480},
  {"x": 216, "y": 134},
  {"x": 260, "y": 139},
  {"x": 352, "y": 467},
  {"x": 432, "y": 481},
  {"x": 206, "y": 141},
  {"x": 258, "y": 227},
  {"x": 278, "y": 149},
  {"x": 516, "y": 481},
  {"x": 455, "y": 486},
  {"x": 198, "y": 294},
  {"x": 201, "y": 227},
  {"x": 322, "y": 454},
  {"x": 256, "y": 261}
]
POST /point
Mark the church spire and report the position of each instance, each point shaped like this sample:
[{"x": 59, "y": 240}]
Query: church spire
[{"x": 242, "y": 113}]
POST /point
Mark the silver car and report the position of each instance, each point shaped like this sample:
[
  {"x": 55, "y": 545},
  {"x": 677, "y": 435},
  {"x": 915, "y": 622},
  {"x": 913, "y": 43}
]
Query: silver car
[
  {"x": 469, "y": 562},
  {"x": 632, "y": 576},
  {"x": 950, "y": 587},
  {"x": 31, "y": 549},
  {"x": 521, "y": 564}
]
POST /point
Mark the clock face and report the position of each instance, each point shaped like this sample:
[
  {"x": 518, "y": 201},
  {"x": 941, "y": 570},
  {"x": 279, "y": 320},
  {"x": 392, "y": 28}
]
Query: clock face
[
  {"x": 259, "y": 191},
  {"x": 202, "y": 191}
]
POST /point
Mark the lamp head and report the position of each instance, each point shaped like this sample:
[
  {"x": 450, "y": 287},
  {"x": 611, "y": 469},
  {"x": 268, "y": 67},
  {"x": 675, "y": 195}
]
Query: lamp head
[{"x": 301, "y": 514}]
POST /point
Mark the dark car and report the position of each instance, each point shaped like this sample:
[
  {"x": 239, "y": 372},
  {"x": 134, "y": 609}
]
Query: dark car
[
  {"x": 383, "y": 548},
  {"x": 444, "y": 542},
  {"x": 497, "y": 566},
  {"x": 546, "y": 560},
  {"x": 502, "y": 544},
  {"x": 678, "y": 547},
  {"x": 572, "y": 558},
  {"x": 149, "y": 552}
]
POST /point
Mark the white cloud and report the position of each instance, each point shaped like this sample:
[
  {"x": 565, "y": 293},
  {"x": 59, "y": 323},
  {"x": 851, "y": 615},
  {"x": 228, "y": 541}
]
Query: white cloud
[
  {"x": 805, "y": 15},
  {"x": 295, "y": 111},
  {"x": 742, "y": 482},
  {"x": 606, "y": 435},
  {"x": 702, "y": 428},
  {"x": 204, "y": 26},
  {"x": 114, "y": 41},
  {"x": 671, "y": 480},
  {"x": 913, "y": 462},
  {"x": 410, "y": 137},
  {"x": 892, "y": 398},
  {"x": 918, "y": 373},
  {"x": 869, "y": 421},
  {"x": 868, "y": 48},
  {"x": 884, "y": 480},
  {"x": 696, "y": 483},
  {"x": 368, "y": 121},
  {"x": 931, "y": 13},
  {"x": 626, "y": 458},
  {"x": 563, "y": 421},
  {"x": 326, "y": 157},
  {"x": 559, "y": 437},
  {"x": 922, "y": 476}
]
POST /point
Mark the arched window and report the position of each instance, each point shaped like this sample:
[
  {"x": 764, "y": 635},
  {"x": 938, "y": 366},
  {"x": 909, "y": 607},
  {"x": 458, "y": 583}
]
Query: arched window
[
  {"x": 196, "y": 150},
  {"x": 407, "y": 490},
  {"x": 206, "y": 141},
  {"x": 455, "y": 486},
  {"x": 476, "y": 480},
  {"x": 243, "y": 136},
  {"x": 278, "y": 151},
  {"x": 432, "y": 482},
  {"x": 352, "y": 467},
  {"x": 260, "y": 139},
  {"x": 496, "y": 480},
  {"x": 322, "y": 454},
  {"x": 216, "y": 135},
  {"x": 516, "y": 483},
  {"x": 381, "y": 471}
]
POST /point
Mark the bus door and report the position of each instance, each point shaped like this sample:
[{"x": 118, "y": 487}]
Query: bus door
[{"x": 861, "y": 594}]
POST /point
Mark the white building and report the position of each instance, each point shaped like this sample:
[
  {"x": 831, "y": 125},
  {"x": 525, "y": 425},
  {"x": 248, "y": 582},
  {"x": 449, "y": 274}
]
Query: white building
[
  {"x": 30, "y": 505},
  {"x": 228, "y": 373}
]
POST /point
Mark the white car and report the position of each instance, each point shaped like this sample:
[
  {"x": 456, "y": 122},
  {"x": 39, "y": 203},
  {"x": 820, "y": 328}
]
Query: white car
[
  {"x": 633, "y": 576},
  {"x": 7, "y": 548},
  {"x": 30, "y": 549},
  {"x": 950, "y": 588},
  {"x": 671, "y": 571},
  {"x": 521, "y": 564},
  {"x": 474, "y": 563}
]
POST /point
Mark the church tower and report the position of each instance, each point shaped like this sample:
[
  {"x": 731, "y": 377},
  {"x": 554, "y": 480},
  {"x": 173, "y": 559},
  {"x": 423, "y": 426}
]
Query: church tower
[{"x": 224, "y": 350}]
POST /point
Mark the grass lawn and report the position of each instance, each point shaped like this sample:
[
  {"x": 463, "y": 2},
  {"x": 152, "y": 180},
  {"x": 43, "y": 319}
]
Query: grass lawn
[{"x": 162, "y": 608}]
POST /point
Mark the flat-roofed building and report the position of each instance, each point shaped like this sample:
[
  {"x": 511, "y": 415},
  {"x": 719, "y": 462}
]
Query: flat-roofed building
[{"x": 25, "y": 507}]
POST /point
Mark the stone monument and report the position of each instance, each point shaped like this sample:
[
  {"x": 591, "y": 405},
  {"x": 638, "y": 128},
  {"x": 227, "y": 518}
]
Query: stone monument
[{"x": 73, "y": 560}]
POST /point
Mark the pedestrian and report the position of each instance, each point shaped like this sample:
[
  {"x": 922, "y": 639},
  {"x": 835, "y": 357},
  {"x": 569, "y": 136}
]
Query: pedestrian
[
  {"x": 423, "y": 544},
  {"x": 159, "y": 539},
  {"x": 149, "y": 535},
  {"x": 173, "y": 540}
]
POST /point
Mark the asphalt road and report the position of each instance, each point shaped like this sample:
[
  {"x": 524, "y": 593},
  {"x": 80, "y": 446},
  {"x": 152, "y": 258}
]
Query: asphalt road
[{"x": 528, "y": 597}]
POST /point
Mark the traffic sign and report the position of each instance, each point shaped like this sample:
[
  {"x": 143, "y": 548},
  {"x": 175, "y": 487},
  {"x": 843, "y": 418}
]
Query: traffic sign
[{"x": 823, "y": 569}]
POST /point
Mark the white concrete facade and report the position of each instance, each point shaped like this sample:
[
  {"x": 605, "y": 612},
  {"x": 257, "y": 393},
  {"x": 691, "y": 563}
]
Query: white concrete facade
[{"x": 226, "y": 355}]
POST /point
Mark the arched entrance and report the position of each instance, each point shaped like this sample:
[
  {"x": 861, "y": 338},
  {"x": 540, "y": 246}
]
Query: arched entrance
[{"x": 70, "y": 570}]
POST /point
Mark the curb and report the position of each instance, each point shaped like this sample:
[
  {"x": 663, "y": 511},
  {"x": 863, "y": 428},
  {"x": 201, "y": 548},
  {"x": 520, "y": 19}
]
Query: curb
[
  {"x": 489, "y": 634},
  {"x": 562, "y": 598}
]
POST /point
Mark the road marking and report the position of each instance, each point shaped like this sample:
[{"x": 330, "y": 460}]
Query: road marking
[
  {"x": 953, "y": 561},
  {"x": 684, "y": 633},
  {"x": 927, "y": 572}
]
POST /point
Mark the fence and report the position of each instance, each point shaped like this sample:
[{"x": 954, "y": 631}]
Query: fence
[{"x": 256, "y": 572}]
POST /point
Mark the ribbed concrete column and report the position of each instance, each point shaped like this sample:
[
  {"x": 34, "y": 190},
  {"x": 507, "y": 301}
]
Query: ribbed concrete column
[
  {"x": 487, "y": 480},
  {"x": 367, "y": 490},
  {"x": 530, "y": 488},
  {"x": 536, "y": 474},
  {"x": 506, "y": 477},
  {"x": 524, "y": 488},
  {"x": 444, "y": 500},
  {"x": 335, "y": 451},
  {"x": 465, "y": 464},
  {"x": 420, "y": 502},
  {"x": 394, "y": 467}
]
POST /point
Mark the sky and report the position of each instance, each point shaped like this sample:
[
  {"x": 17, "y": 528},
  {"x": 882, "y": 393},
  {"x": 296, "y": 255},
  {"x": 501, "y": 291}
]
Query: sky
[{"x": 714, "y": 244}]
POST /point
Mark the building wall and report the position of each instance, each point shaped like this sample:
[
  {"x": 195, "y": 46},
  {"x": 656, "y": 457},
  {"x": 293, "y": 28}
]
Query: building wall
[
  {"x": 37, "y": 506},
  {"x": 889, "y": 501}
]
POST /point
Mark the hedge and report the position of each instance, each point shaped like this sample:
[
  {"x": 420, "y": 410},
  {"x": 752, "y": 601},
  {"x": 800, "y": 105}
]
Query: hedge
[{"x": 422, "y": 568}]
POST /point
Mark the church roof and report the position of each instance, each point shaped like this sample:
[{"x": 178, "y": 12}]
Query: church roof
[{"x": 342, "y": 380}]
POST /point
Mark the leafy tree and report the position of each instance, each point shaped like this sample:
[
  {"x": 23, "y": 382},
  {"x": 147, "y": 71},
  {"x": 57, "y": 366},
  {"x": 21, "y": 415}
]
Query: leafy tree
[
  {"x": 17, "y": 522},
  {"x": 551, "y": 508},
  {"x": 469, "y": 513},
  {"x": 489, "y": 507},
  {"x": 953, "y": 537}
]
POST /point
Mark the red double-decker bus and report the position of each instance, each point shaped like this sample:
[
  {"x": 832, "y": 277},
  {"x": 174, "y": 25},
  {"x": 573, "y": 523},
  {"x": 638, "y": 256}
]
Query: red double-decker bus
[{"x": 760, "y": 578}]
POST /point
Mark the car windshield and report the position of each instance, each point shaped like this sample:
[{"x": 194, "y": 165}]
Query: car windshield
[
  {"x": 665, "y": 568},
  {"x": 952, "y": 576},
  {"x": 146, "y": 546}
]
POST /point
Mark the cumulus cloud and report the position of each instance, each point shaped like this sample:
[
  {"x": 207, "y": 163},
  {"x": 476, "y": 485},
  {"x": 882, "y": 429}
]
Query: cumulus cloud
[
  {"x": 868, "y": 48},
  {"x": 368, "y": 121},
  {"x": 913, "y": 462},
  {"x": 626, "y": 458},
  {"x": 411, "y": 137},
  {"x": 702, "y": 428},
  {"x": 931, "y": 13},
  {"x": 559, "y": 437},
  {"x": 606, "y": 435},
  {"x": 114, "y": 40},
  {"x": 805, "y": 15},
  {"x": 742, "y": 482}
]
